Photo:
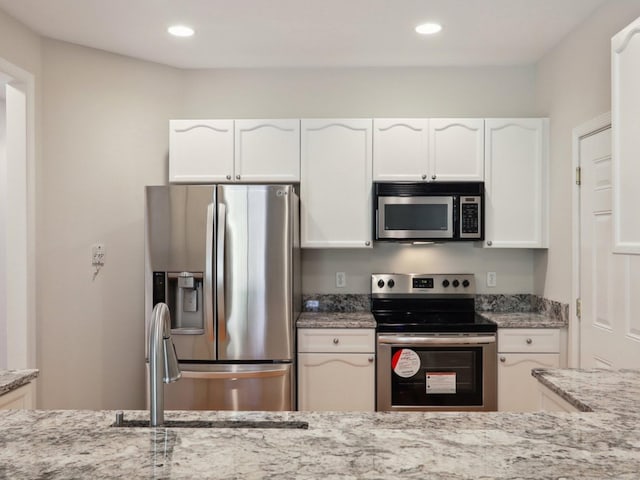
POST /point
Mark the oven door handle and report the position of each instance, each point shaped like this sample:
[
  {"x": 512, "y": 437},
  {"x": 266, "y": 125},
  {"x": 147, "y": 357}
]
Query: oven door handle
[{"x": 427, "y": 340}]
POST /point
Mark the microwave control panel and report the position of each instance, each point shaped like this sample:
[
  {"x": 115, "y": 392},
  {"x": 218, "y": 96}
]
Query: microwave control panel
[{"x": 470, "y": 221}]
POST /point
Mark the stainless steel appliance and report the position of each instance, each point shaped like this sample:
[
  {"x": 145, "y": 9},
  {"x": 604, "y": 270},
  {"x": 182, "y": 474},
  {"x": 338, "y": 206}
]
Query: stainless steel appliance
[
  {"x": 433, "y": 351},
  {"x": 225, "y": 259},
  {"x": 435, "y": 211}
]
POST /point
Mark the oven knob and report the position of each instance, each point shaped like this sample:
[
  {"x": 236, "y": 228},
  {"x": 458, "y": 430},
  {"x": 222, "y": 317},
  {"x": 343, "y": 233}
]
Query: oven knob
[
  {"x": 391, "y": 283},
  {"x": 465, "y": 283},
  {"x": 380, "y": 283},
  {"x": 445, "y": 283},
  {"x": 456, "y": 283}
]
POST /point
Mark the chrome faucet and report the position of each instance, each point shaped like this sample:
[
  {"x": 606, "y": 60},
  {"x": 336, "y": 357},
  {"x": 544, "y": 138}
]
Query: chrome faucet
[{"x": 163, "y": 362}]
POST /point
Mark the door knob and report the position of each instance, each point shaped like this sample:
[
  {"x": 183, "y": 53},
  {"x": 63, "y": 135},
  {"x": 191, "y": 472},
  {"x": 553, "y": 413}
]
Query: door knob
[
  {"x": 529, "y": 341},
  {"x": 370, "y": 359},
  {"x": 503, "y": 359},
  {"x": 336, "y": 341}
]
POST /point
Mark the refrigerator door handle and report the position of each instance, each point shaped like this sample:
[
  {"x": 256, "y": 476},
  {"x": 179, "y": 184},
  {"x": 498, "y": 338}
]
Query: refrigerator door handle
[
  {"x": 208, "y": 276},
  {"x": 222, "y": 230},
  {"x": 234, "y": 375}
]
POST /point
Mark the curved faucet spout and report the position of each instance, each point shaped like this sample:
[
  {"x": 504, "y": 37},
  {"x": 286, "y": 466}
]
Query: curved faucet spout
[{"x": 163, "y": 362}]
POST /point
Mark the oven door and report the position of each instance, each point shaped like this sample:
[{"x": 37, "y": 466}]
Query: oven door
[
  {"x": 436, "y": 372},
  {"x": 428, "y": 217}
]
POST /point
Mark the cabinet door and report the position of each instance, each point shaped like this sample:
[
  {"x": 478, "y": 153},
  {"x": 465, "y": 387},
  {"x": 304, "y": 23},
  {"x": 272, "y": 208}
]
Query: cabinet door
[
  {"x": 456, "y": 149},
  {"x": 517, "y": 389},
  {"x": 21, "y": 398},
  {"x": 267, "y": 151},
  {"x": 335, "y": 183},
  {"x": 516, "y": 165},
  {"x": 400, "y": 149},
  {"x": 625, "y": 112},
  {"x": 337, "y": 382},
  {"x": 200, "y": 151}
]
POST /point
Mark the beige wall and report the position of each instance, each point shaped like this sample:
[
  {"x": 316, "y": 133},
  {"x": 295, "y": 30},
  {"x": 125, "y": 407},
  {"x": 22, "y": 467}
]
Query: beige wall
[
  {"x": 573, "y": 86},
  {"x": 105, "y": 122}
]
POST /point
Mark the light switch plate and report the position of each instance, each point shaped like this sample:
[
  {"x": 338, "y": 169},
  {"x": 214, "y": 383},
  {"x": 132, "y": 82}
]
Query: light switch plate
[{"x": 491, "y": 279}]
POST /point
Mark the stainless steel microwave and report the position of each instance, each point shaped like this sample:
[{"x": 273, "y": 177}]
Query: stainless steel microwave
[{"x": 435, "y": 211}]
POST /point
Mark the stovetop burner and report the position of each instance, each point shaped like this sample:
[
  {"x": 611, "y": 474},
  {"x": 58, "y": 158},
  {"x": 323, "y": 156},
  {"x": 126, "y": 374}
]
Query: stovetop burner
[{"x": 426, "y": 303}]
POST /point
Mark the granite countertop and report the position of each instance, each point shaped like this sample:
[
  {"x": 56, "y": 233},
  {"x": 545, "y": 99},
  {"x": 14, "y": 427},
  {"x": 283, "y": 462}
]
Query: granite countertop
[
  {"x": 523, "y": 320},
  {"x": 595, "y": 390},
  {"x": 82, "y": 444},
  {"x": 362, "y": 319},
  {"x": 13, "y": 379}
]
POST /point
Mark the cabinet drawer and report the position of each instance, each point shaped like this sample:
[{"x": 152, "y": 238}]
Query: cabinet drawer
[
  {"x": 542, "y": 340},
  {"x": 326, "y": 340}
]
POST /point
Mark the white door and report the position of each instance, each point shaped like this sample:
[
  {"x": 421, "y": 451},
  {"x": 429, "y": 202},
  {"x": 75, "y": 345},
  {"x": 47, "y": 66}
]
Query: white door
[{"x": 609, "y": 283}]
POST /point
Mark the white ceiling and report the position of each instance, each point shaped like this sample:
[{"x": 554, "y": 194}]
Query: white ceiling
[{"x": 306, "y": 33}]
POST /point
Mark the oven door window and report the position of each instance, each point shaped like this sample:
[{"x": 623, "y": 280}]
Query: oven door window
[
  {"x": 415, "y": 217},
  {"x": 444, "y": 376}
]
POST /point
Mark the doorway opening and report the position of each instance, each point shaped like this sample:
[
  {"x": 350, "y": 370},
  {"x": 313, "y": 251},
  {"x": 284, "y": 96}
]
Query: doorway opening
[{"x": 17, "y": 218}]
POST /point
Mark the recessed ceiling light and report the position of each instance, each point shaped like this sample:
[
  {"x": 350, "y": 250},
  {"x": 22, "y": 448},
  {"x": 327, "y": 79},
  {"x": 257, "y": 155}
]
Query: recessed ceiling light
[
  {"x": 428, "y": 28},
  {"x": 180, "y": 31}
]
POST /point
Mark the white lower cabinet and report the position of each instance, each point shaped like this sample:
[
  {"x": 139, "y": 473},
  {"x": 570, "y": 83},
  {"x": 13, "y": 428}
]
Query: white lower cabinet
[
  {"x": 23, "y": 397},
  {"x": 520, "y": 351},
  {"x": 552, "y": 402},
  {"x": 336, "y": 370}
]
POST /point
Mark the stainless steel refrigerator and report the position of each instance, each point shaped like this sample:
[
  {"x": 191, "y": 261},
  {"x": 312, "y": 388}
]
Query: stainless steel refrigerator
[{"x": 225, "y": 259}]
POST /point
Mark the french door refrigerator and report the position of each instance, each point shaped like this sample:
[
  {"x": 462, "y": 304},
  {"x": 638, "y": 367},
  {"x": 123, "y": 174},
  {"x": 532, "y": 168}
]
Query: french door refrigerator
[{"x": 225, "y": 259}]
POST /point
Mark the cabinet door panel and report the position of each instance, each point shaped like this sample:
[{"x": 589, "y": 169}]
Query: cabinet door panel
[
  {"x": 516, "y": 183},
  {"x": 200, "y": 151},
  {"x": 400, "y": 149},
  {"x": 335, "y": 190},
  {"x": 336, "y": 382},
  {"x": 517, "y": 389},
  {"x": 625, "y": 111},
  {"x": 456, "y": 149},
  {"x": 267, "y": 151}
]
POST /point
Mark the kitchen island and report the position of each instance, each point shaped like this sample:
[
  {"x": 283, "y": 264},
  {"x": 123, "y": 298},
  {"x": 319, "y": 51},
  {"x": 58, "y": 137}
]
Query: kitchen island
[{"x": 83, "y": 444}]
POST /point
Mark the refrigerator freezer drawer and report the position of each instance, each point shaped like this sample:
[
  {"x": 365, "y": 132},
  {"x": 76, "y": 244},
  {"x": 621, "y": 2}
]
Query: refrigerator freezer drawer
[{"x": 231, "y": 387}]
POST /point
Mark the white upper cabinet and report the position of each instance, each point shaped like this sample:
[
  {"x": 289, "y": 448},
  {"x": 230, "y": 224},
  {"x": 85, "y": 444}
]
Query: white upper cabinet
[
  {"x": 437, "y": 149},
  {"x": 335, "y": 184},
  {"x": 400, "y": 149},
  {"x": 456, "y": 149},
  {"x": 516, "y": 183},
  {"x": 625, "y": 117},
  {"x": 200, "y": 151},
  {"x": 267, "y": 151},
  {"x": 212, "y": 151}
]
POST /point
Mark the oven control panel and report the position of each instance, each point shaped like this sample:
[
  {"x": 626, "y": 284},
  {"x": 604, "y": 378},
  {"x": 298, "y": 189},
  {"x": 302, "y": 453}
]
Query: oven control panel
[{"x": 423, "y": 283}]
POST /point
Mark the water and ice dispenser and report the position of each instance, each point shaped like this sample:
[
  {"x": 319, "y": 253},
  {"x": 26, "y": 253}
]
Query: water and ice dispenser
[{"x": 182, "y": 292}]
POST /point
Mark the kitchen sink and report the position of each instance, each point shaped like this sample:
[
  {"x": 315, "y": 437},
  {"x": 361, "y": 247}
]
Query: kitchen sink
[{"x": 288, "y": 424}]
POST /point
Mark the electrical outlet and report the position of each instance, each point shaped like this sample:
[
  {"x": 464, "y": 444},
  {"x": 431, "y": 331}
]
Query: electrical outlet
[
  {"x": 98, "y": 252},
  {"x": 491, "y": 279},
  {"x": 341, "y": 279}
]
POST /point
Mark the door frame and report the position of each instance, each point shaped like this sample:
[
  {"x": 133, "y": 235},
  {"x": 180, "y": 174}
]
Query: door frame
[
  {"x": 21, "y": 323},
  {"x": 586, "y": 129}
]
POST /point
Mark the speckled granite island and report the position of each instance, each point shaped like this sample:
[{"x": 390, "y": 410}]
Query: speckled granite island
[{"x": 82, "y": 444}]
